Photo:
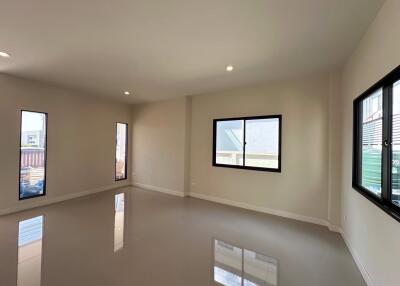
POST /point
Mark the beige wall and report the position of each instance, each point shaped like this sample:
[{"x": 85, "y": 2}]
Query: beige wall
[
  {"x": 81, "y": 139},
  {"x": 335, "y": 119},
  {"x": 373, "y": 235},
  {"x": 159, "y": 144},
  {"x": 302, "y": 187}
]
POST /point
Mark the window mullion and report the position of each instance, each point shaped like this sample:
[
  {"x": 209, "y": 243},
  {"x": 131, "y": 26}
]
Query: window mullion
[
  {"x": 386, "y": 143},
  {"x": 357, "y": 144},
  {"x": 360, "y": 142},
  {"x": 244, "y": 141},
  {"x": 389, "y": 137}
]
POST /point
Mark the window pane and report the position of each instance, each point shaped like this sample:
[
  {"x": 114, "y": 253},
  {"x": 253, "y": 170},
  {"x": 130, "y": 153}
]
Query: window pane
[
  {"x": 396, "y": 145},
  {"x": 371, "y": 158},
  {"x": 33, "y": 154},
  {"x": 230, "y": 142},
  {"x": 262, "y": 143},
  {"x": 120, "y": 159}
]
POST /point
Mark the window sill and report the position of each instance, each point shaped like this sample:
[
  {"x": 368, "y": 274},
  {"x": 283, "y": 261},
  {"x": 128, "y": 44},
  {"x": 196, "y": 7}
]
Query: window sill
[
  {"x": 32, "y": 197},
  {"x": 390, "y": 209},
  {"x": 274, "y": 170}
]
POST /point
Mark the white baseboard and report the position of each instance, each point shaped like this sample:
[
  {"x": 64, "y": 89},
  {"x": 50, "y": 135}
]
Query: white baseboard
[
  {"x": 353, "y": 252},
  {"x": 25, "y": 205},
  {"x": 260, "y": 209},
  {"x": 44, "y": 201},
  {"x": 158, "y": 189},
  {"x": 290, "y": 215},
  {"x": 357, "y": 259},
  {"x": 335, "y": 228}
]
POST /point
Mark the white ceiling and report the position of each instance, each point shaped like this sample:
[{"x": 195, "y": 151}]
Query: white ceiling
[{"x": 165, "y": 48}]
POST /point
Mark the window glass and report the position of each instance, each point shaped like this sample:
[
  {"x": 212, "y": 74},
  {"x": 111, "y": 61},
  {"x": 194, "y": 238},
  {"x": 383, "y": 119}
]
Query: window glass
[
  {"x": 371, "y": 157},
  {"x": 376, "y": 145},
  {"x": 33, "y": 154},
  {"x": 262, "y": 143},
  {"x": 229, "y": 149},
  {"x": 396, "y": 145},
  {"x": 121, "y": 151}
]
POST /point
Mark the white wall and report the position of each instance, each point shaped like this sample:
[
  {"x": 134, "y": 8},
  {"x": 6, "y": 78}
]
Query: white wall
[
  {"x": 372, "y": 234},
  {"x": 334, "y": 132},
  {"x": 317, "y": 120},
  {"x": 172, "y": 148},
  {"x": 302, "y": 187},
  {"x": 159, "y": 145},
  {"x": 81, "y": 140}
]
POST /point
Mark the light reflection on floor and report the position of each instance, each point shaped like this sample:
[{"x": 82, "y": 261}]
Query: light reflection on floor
[
  {"x": 119, "y": 220},
  {"x": 135, "y": 237},
  {"x": 30, "y": 252},
  {"x": 235, "y": 266}
]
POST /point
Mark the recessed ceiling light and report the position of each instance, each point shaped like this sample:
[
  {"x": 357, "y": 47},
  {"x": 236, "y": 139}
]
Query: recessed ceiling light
[
  {"x": 229, "y": 68},
  {"x": 4, "y": 55},
  {"x": 127, "y": 93}
]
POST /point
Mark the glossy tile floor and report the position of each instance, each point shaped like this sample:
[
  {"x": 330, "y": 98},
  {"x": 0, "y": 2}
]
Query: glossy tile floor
[{"x": 134, "y": 237}]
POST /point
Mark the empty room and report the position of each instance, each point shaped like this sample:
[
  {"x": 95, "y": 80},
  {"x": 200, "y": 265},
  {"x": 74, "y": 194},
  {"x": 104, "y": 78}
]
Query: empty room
[{"x": 197, "y": 143}]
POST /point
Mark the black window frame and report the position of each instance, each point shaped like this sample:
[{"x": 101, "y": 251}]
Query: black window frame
[
  {"x": 20, "y": 155},
  {"x": 126, "y": 151},
  {"x": 214, "y": 155},
  {"x": 385, "y": 201}
]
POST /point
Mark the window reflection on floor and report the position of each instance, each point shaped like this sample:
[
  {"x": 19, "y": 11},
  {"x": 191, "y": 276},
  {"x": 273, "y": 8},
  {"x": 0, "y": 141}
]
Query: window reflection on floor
[
  {"x": 234, "y": 266},
  {"x": 259, "y": 269},
  {"x": 226, "y": 278},
  {"x": 119, "y": 221},
  {"x": 30, "y": 252}
]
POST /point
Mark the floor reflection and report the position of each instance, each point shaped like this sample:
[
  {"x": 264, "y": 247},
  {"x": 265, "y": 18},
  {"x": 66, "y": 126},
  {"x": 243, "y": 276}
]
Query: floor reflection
[
  {"x": 119, "y": 220},
  {"x": 30, "y": 252},
  {"x": 235, "y": 266},
  {"x": 166, "y": 240}
]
